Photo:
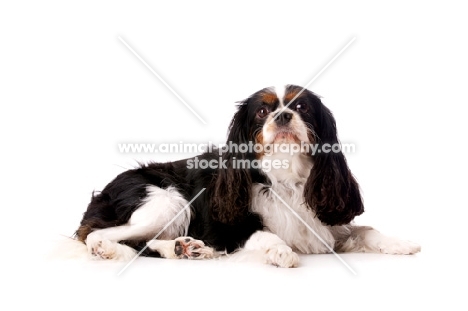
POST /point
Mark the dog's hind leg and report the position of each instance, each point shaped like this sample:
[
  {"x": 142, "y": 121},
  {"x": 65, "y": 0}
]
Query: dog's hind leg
[{"x": 164, "y": 213}]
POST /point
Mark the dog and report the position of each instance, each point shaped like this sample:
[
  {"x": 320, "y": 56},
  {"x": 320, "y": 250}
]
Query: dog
[{"x": 257, "y": 198}]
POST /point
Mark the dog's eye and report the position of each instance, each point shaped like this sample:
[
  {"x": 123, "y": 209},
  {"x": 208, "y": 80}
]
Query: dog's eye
[
  {"x": 301, "y": 107},
  {"x": 262, "y": 112}
]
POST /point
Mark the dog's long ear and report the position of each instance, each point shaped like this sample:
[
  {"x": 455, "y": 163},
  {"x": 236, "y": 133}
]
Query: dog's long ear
[
  {"x": 331, "y": 190},
  {"x": 233, "y": 184}
]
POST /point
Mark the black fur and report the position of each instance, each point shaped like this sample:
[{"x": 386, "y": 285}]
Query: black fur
[
  {"x": 115, "y": 204},
  {"x": 222, "y": 216},
  {"x": 331, "y": 189}
]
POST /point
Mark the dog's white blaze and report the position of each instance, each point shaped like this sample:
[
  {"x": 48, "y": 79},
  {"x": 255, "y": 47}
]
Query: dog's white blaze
[{"x": 280, "y": 92}]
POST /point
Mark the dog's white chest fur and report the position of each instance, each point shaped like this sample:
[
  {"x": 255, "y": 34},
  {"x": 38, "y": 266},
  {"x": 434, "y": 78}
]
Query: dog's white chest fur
[{"x": 277, "y": 216}]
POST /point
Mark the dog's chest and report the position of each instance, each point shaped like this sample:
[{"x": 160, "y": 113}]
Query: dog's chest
[{"x": 283, "y": 210}]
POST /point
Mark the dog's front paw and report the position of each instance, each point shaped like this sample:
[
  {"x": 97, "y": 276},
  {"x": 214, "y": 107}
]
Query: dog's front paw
[
  {"x": 398, "y": 247},
  {"x": 282, "y": 256}
]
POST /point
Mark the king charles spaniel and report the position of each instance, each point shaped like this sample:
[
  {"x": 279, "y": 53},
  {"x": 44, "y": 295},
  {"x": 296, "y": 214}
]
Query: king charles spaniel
[{"x": 275, "y": 198}]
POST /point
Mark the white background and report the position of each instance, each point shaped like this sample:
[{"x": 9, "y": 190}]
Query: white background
[{"x": 70, "y": 91}]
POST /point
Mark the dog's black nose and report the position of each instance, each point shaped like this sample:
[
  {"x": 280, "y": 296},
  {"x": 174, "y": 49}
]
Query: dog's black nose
[{"x": 284, "y": 118}]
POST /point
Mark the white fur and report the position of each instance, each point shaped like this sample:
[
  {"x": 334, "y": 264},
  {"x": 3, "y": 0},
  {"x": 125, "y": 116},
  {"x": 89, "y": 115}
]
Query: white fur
[
  {"x": 289, "y": 185},
  {"x": 280, "y": 91},
  {"x": 68, "y": 248},
  {"x": 102, "y": 248},
  {"x": 376, "y": 242},
  {"x": 164, "y": 247},
  {"x": 273, "y": 250},
  {"x": 284, "y": 235},
  {"x": 159, "y": 209}
]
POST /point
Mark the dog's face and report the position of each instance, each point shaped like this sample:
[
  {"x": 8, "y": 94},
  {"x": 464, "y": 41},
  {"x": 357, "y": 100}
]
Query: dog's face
[
  {"x": 282, "y": 115},
  {"x": 289, "y": 115}
]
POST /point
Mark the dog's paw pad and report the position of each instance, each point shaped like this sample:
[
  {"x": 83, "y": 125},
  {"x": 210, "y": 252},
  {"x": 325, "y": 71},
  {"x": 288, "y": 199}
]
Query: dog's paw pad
[
  {"x": 189, "y": 248},
  {"x": 102, "y": 249}
]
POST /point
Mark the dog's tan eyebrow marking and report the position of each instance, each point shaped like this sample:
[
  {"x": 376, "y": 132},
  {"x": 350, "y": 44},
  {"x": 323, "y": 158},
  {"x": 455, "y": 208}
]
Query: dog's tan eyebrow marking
[
  {"x": 269, "y": 98},
  {"x": 291, "y": 94}
]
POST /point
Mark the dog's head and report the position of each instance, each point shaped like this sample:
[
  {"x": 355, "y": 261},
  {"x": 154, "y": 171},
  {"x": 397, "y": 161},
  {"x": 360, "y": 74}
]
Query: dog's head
[{"x": 288, "y": 116}]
